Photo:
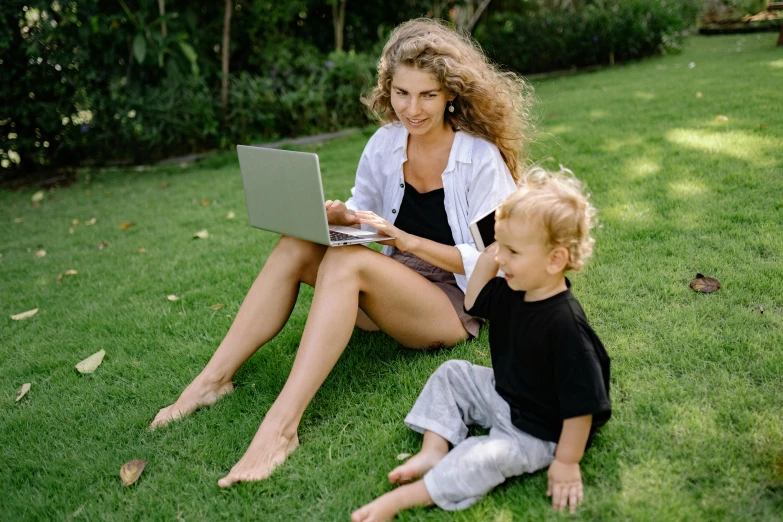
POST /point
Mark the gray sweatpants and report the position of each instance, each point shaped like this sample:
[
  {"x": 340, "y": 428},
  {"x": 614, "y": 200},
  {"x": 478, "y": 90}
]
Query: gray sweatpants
[{"x": 457, "y": 395}]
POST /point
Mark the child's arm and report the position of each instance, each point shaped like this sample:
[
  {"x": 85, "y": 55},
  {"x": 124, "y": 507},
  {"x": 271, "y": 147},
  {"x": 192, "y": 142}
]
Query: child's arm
[
  {"x": 565, "y": 480},
  {"x": 486, "y": 268}
]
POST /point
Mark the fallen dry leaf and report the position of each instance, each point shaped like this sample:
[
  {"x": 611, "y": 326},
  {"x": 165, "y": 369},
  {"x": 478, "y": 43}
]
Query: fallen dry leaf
[
  {"x": 704, "y": 284},
  {"x": 721, "y": 117},
  {"x": 403, "y": 456},
  {"x": 38, "y": 196},
  {"x": 23, "y": 391},
  {"x": 201, "y": 234},
  {"x": 66, "y": 273},
  {"x": 18, "y": 220},
  {"x": 25, "y": 315},
  {"x": 699, "y": 95},
  {"x": 102, "y": 245},
  {"x": 173, "y": 297},
  {"x": 217, "y": 306},
  {"x": 126, "y": 225},
  {"x": 205, "y": 202},
  {"x": 142, "y": 250},
  {"x": 164, "y": 185},
  {"x": 70, "y": 230},
  {"x": 74, "y": 221},
  {"x": 131, "y": 471},
  {"x": 91, "y": 363},
  {"x": 40, "y": 253},
  {"x": 91, "y": 221},
  {"x": 231, "y": 215}
]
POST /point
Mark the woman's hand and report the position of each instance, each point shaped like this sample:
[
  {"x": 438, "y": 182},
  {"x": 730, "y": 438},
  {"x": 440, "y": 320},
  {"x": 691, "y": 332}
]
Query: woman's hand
[
  {"x": 338, "y": 214},
  {"x": 402, "y": 240}
]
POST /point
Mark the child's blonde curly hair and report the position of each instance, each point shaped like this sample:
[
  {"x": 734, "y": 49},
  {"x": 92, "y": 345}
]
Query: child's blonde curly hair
[
  {"x": 491, "y": 104},
  {"x": 557, "y": 202}
]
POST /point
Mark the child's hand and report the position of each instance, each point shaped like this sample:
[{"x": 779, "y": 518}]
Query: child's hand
[{"x": 565, "y": 486}]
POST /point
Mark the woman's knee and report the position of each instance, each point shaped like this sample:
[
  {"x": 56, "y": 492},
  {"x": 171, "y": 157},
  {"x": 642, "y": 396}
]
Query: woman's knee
[
  {"x": 299, "y": 255},
  {"x": 340, "y": 263}
]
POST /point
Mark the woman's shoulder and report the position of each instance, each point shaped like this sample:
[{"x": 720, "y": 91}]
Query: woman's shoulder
[
  {"x": 478, "y": 151},
  {"x": 386, "y": 139}
]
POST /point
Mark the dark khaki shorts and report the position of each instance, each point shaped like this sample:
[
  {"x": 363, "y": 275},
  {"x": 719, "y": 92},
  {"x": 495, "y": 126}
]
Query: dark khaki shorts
[{"x": 446, "y": 282}]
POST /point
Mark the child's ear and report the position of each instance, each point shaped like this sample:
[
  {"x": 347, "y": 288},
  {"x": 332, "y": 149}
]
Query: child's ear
[{"x": 558, "y": 260}]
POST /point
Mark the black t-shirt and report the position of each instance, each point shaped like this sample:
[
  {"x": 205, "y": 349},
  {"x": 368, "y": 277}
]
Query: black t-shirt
[
  {"x": 424, "y": 215},
  {"x": 549, "y": 364}
]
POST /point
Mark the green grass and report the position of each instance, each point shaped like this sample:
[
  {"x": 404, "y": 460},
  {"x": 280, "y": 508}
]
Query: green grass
[{"x": 697, "y": 432}]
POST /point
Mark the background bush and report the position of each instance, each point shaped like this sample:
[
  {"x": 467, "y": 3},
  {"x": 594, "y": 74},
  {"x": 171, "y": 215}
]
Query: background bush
[
  {"x": 578, "y": 34},
  {"x": 94, "y": 81},
  {"x": 312, "y": 93}
]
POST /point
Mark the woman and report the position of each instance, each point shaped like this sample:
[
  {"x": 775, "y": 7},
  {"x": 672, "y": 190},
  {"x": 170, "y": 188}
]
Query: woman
[{"x": 449, "y": 152}]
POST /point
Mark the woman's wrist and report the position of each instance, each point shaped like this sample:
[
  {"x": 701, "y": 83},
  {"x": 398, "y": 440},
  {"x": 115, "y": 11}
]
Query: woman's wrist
[{"x": 407, "y": 242}]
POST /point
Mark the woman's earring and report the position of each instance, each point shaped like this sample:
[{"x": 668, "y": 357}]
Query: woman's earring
[{"x": 451, "y": 107}]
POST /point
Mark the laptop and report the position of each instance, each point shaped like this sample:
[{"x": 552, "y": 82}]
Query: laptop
[{"x": 284, "y": 194}]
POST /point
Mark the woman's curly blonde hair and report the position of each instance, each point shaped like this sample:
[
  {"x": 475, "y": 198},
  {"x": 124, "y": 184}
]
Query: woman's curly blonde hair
[
  {"x": 490, "y": 103},
  {"x": 556, "y": 202}
]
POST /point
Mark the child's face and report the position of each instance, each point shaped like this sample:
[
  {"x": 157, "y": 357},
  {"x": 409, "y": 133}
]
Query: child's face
[
  {"x": 523, "y": 254},
  {"x": 419, "y": 101}
]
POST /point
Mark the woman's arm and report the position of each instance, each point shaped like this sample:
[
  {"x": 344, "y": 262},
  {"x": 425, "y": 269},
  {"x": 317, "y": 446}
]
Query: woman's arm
[{"x": 443, "y": 256}]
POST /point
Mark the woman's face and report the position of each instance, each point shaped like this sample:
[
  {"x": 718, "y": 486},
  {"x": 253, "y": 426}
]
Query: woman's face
[{"x": 419, "y": 101}]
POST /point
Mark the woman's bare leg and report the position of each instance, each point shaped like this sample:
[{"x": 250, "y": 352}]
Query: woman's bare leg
[
  {"x": 401, "y": 302},
  {"x": 263, "y": 314}
]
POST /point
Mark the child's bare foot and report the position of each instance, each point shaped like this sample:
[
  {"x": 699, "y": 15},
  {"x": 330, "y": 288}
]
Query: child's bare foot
[
  {"x": 387, "y": 506},
  {"x": 267, "y": 451},
  {"x": 416, "y": 466},
  {"x": 198, "y": 393}
]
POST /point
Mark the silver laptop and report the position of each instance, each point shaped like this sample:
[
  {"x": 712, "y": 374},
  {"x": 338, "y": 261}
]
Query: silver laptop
[{"x": 284, "y": 194}]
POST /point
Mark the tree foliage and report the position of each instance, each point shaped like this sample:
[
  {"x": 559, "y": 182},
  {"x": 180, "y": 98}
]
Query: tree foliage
[{"x": 136, "y": 80}]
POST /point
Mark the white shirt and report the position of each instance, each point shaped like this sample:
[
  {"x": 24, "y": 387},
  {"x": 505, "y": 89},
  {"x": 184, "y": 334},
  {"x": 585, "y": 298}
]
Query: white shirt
[{"x": 475, "y": 181}]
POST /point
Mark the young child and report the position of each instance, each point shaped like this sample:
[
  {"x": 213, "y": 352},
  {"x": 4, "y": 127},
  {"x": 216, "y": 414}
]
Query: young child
[{"x": 549, "y": 390}]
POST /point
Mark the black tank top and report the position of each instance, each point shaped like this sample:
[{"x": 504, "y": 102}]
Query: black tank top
[{"x": 424, "y": 215}]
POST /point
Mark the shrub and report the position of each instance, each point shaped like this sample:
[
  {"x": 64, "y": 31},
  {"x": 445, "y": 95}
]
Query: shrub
[
  {"x": 599, "y": 32},
  {"x": 311, "y": 94},
  {"x": 147, "y": 123}
]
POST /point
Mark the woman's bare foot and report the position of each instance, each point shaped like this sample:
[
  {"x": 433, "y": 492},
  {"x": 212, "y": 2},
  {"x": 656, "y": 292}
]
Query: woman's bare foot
[
  {"x": 199, "y": 393},
  {"x": 416, "y": 466},
  {"x": 265, "y": 453},
  {"x": 387, "y": 506}
]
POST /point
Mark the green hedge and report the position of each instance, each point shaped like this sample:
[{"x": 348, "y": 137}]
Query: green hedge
[
  {"x": 310, "y": 94},
  {"x": 77, "y": 85},
  {"x": 584, "y": 34}
]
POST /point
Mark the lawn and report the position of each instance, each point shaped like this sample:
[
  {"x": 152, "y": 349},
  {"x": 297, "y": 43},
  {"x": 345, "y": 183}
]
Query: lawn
[{"x": 697, "y": 380}]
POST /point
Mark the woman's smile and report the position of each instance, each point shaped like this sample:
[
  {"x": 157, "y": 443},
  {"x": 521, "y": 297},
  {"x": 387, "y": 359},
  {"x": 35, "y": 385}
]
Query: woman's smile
[{"x": 418, "y": 122}]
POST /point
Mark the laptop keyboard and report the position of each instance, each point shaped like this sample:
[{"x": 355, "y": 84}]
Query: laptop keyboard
[{"x": 339, "y": 236}]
